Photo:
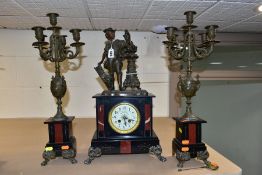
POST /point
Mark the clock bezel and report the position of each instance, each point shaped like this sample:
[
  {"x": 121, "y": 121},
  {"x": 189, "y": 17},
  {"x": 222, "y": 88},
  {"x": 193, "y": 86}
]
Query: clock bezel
[{"x": 119, "y": 131}]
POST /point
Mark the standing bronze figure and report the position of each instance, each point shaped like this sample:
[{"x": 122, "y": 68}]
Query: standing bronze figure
[
  {"x": 113, "y": 58},
  {"x": 187, "y": 143},
  {"x": 115, "y": 52},
  {"x": 61, "y": 141}
]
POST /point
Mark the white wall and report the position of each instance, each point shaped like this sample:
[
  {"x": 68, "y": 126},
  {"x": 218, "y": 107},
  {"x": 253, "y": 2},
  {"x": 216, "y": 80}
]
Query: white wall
[{"x": 25, "y": 78}]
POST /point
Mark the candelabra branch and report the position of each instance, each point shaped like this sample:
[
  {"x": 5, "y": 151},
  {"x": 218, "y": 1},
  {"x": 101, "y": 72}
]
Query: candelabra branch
[
  {"x": 44, "y": 53},
  {"x": 176, "y": 53},
  {"x": 203, "y": 52},
  {"x": 70, "y": 54}
]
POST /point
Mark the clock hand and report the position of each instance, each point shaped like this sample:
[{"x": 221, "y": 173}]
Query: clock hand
[{"x": 124, "y": 118}]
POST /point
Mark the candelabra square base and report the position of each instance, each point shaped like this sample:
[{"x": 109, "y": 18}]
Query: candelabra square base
[
  {"x": 188, "y": 143},
  {"x": 61, "y": 143}
]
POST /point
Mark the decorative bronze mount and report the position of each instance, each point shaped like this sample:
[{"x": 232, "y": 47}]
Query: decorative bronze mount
[
  {"x": 188, "y": 50},
  {"x": 56, "y": 51}
]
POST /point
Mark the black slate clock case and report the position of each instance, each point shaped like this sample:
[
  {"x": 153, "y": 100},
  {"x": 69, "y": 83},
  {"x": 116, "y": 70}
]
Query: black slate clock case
[{"x": 111, "y": 142}]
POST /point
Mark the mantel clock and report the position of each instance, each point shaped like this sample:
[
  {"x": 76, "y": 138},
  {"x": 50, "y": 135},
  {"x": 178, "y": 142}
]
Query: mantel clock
[{"x": 124, "y": 117}]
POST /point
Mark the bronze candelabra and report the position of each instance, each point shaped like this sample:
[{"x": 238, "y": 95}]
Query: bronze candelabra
[
  {"x": 187, "y": 143},
  {"x": 56, "y": 51},
  {"x": 188, "y": 50},
  {"x": 61, "y": 139}
]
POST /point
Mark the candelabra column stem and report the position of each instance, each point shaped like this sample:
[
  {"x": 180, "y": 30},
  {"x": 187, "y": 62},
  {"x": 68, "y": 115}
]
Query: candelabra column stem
[
  {"x": 188, "y": 114},
  {"x": 57, "y": 69},
  {"x": 189, "y": 67}
]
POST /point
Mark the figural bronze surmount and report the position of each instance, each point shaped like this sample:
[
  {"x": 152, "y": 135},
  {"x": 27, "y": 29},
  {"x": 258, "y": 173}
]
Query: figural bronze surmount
[
  {"x": 61, "y": 139},
  {"x": 187, "y": 143},
  {"x": 124, "y": 116},
  {"x": 115, "y": 52}
]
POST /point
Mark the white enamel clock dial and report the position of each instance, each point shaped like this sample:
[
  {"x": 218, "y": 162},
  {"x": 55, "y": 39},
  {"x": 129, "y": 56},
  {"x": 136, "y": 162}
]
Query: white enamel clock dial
[{"x": 124, "y": 118}]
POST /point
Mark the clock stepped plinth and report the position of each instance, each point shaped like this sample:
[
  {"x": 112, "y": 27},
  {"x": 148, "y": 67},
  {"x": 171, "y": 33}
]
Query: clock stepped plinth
[{"x": 114, "y": 135}]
